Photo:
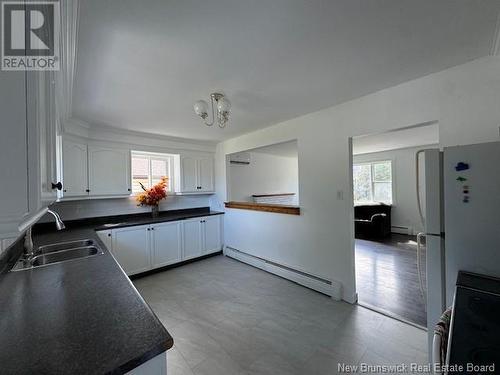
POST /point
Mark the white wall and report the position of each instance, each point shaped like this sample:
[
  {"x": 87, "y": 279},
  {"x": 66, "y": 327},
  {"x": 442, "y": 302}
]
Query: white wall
[
  {"x": 404, "y": 206},
  {"x": 464, "y": 100},
  {"x": 266, "y": 174}
]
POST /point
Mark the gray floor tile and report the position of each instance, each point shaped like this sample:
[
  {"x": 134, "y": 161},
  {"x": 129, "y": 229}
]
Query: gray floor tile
[{"x": 230, "y": 318}]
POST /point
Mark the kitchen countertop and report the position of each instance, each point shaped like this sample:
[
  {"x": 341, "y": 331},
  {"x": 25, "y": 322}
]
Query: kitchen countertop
[{"x": 82, "y": 316}]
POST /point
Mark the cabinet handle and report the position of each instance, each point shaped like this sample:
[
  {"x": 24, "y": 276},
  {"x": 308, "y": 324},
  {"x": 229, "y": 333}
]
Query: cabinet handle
[
  {"x": 129, "y": 189},
  {"x": 87, "y": 190},
  {"x": 57, "y": 186},
  {"x": 109, "y": 234}
]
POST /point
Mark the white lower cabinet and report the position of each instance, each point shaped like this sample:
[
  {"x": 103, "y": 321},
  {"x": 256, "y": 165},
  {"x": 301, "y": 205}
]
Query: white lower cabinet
[
  {"x": 106, "y": 236},
  {"x": 131, "y": 248},
  {"x": 142, "y": 248},
  {"x": 192, "y": 235},
  {"x": 166, "y": 244},
  {"x": 212, "y": 237}
]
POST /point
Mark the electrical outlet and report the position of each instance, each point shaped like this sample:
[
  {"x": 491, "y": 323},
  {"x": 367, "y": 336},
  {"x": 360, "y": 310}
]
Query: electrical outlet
[{"x": 340, "y": 195}]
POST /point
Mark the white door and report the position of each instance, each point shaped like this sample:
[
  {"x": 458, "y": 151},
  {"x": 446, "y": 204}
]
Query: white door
[
  {"x": 434, "y": 241},
  {"x": 206, "y": 174},
  {"x": 75, "y": 171},
  {"x": 191, "y": 233},
  {"x": 109, "y": 171},
  {"x": 131, "y": 249},
  {"x": 212, "y": 236},
  {"x": 166, "y": 244},
  {"x": 189, "y": 174}
]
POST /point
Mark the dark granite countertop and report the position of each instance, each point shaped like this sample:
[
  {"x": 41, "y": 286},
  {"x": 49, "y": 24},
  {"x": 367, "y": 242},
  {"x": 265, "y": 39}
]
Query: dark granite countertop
[{"x": 82, "y": 316}]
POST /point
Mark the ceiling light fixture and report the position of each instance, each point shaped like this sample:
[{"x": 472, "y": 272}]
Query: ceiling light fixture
[{"x": 218, "y": 101}]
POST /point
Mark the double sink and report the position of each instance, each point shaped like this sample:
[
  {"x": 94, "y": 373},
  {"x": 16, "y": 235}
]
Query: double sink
[{"x": 58, "y": 252}]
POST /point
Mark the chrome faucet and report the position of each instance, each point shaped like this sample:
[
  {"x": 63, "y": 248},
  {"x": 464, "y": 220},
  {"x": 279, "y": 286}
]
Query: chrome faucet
[
  {"x": 28, "y": 241},
  {"x": 59, "y": 223}
]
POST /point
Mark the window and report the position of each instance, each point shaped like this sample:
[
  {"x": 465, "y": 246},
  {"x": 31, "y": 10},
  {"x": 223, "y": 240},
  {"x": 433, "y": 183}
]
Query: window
[
  {"x": 149, "y": 168},
  {"x": 373, "y": 182}
]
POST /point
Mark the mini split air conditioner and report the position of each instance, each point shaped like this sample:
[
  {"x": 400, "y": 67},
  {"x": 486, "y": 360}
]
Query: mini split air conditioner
[{"x": 242, "y": 158}]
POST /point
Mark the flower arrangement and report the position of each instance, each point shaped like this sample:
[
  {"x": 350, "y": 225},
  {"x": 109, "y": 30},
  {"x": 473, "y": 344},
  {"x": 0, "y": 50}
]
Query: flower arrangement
[{"x": 153, "y": 196}]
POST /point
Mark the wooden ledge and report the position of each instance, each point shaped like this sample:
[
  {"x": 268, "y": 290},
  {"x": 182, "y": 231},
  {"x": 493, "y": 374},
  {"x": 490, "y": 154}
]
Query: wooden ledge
[{"x": 265, "y": 207}]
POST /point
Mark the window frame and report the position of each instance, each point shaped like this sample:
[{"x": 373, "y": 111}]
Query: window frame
[
  {"x": 168, "y": 158},
  {"x": 371, "y": 163}
]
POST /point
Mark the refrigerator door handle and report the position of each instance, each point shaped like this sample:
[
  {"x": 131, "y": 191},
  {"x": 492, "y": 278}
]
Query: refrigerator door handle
[{"x": 419, "y": 269}]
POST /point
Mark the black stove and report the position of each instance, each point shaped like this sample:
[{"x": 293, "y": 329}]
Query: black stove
[{"x": 475, "y": 326}]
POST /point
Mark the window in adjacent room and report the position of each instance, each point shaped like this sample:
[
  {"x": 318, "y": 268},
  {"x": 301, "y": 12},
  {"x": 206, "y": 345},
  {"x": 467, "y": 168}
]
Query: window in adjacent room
[
  {"x": 149, "y": 169},
  {"x": 373, "y": 182}
]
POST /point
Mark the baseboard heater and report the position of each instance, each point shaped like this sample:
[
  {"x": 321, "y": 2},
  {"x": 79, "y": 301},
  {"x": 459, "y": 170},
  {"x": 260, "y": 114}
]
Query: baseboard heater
[{"x": 328, "y": 287}]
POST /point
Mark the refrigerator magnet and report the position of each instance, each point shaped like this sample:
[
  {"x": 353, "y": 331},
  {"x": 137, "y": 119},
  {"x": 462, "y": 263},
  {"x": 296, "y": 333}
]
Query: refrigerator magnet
[{"x": 461, "y": 166}]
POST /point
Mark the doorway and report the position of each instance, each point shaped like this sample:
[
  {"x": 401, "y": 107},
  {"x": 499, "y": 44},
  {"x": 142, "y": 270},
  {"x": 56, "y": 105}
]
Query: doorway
[{"x": 389, "y": 268}]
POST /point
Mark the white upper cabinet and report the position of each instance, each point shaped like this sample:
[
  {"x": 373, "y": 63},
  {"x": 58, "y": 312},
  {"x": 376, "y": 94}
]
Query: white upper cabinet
[
  {"x": 197, "y": 174},
  {"x": 206, "y": 174},
  {"x": 131, "y": 249},
  {"x": 189, "y": 174},
  {"x": 43, "y": 142},
  {"x": 166, "y": 245},
  {"x": 212, "y": 237},
  {"x": 75, "y": 169},
  {"x": 14, "y": 182},
  {"x": 94, "y": 171},
  {"x": 109, "y": 171}
]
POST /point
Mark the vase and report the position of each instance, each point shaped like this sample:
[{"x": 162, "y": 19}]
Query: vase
[{"x": 155, "y": 211}]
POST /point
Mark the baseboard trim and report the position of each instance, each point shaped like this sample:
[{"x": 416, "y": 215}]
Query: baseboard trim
[
  {"x": 329, "y": 287},
  {"x": 175, "y": 265}
]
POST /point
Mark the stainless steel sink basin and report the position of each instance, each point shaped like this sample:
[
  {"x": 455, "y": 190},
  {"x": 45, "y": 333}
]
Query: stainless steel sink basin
[
  {"x": 59, "y": 252},
  {"x": 64, "y": 246},
  {"x": 61, "y": 256}
]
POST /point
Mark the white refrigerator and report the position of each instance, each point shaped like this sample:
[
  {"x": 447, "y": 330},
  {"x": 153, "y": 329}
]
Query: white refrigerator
[{"x": 462, "y": 219}]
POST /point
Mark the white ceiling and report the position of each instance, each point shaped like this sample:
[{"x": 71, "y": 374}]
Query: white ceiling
[
  {"x": 285, "y": 149},
  {"x": 142, "y": 64},
  {"x": 404, "y": 138}
]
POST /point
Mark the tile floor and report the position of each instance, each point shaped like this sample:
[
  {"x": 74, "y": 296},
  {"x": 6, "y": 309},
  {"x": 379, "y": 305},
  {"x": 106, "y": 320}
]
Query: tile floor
[{"x": 229, "y": 318}]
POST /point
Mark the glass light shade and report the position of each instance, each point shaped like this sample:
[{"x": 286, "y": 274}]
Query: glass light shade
[
  {"x": 200, "y": 107},
  {"x": 223, "y": 105}
]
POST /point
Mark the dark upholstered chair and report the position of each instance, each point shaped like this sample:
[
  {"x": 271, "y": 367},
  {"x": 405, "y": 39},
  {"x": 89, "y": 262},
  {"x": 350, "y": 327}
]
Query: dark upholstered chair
[{"x": 372, "y": 221}]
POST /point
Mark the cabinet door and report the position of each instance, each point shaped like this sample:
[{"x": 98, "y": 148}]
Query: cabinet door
[
  {"x": 109, "y": 171},
  {"x": 189, "y": 174},
  {"x": 166, "y": 244},
  {"x": 131, "y": 249},
  {"x": 206, "y": 174},
  {"x": 211, "y": 234},
  {"x": 42, "y": 140},
  {"x": 191, "y": 231},
  {"x": 75, "y": 171},
  {"x": 14, "y": 181},
  {"x": 106, "y": 236}
]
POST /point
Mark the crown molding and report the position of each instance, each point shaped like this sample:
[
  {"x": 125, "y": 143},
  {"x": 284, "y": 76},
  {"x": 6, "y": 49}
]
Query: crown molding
[{"x": 102, "y": 132}]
